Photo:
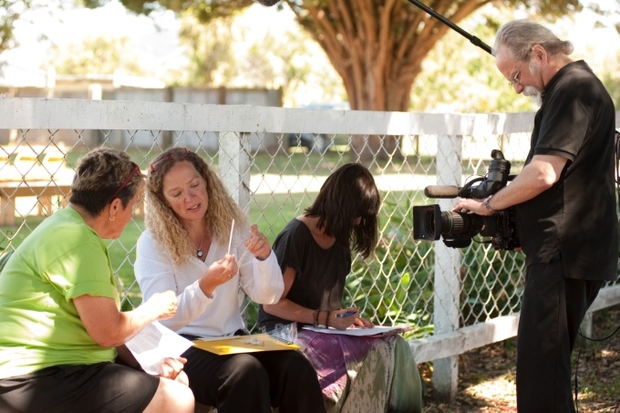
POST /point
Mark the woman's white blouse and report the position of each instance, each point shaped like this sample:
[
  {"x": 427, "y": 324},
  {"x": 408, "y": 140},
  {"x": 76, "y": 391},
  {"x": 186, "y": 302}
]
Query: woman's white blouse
[{"x": 197, "y": 314}]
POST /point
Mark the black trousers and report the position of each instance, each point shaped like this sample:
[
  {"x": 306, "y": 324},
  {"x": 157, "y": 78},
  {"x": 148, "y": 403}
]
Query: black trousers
[
  {"x": 96, "y": 388},
  {"x": 552, "y": 310},
  {"x": 254, "y": 382}
]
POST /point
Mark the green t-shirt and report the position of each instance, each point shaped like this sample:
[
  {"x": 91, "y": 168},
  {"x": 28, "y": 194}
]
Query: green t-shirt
[{"x": 63, "y": 258}]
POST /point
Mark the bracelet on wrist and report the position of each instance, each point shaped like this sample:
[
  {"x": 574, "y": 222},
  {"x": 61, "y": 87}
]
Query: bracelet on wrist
[
  {"x": 487, "y": 204},
  {"x": 316, "y": 317},
  {"x": 327, "y": 319}
]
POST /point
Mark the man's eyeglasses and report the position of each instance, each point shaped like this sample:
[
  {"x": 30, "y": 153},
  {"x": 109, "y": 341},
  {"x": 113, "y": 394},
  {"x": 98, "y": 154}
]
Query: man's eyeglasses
[
  {"x": 136, "y": 169},
  {"x": 517, "y": 76},
  {"x": 175, "y": 154}
]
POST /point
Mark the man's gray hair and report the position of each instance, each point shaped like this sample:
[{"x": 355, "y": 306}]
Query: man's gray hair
[{"x": 519, "y": 36}]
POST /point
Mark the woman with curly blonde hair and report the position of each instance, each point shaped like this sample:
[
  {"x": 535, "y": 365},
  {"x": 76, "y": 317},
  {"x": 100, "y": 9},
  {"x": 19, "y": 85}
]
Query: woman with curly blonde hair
[{"x": 189, "y": 248}]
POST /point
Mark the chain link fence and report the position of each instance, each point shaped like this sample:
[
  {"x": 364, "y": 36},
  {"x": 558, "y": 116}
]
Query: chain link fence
[{"x": 273, "y": 161}]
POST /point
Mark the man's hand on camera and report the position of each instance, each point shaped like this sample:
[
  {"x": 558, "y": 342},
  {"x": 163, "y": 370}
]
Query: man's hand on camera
[{"x": 476, "y": 206}]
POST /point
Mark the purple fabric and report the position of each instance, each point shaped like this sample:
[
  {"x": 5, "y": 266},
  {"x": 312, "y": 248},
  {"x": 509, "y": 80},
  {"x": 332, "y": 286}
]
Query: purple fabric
[{"x": 332, "y": 355}]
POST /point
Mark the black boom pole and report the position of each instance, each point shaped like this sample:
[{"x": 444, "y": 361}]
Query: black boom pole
[{"x": 453, "y": 26}]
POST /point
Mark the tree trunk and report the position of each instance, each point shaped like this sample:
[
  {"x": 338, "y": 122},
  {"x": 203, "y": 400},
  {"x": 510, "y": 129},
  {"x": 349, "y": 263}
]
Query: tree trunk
[{"x": 377, "y": 47}]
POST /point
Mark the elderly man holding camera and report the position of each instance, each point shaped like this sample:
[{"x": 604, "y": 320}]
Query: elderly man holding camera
[{"x": 565, "y": 207}]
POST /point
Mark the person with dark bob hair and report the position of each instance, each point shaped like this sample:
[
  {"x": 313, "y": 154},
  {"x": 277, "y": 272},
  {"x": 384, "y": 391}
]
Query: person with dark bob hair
[
  {"x": 61, "y": 329},
  {"x": 190, "y": 248},
  {"x": 314, "y": 253}
]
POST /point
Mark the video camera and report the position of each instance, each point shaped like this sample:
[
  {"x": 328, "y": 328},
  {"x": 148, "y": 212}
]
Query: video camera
[{"x": 457, "y": 229}]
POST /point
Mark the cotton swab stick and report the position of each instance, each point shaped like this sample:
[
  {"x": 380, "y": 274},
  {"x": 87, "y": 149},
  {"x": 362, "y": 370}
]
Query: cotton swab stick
[{"x": 232, "y": 227}]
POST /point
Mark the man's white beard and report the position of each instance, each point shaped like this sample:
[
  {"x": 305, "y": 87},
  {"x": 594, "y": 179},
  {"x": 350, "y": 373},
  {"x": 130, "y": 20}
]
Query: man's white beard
[{"x": 534, "y": 94}]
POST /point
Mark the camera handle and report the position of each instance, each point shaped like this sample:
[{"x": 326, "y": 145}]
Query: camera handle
[{"x": 475, "y": 40}]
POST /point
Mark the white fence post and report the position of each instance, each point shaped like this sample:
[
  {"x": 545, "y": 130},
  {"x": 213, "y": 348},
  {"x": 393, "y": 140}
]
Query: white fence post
[
  {"x": 447, "y": 270},
  {"x": 234, "y": 164}
]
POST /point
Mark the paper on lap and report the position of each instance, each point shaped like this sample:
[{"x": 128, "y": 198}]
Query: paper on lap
[
  {"x": 153, "y": 344},
  {"x": 361, "y": 332}
]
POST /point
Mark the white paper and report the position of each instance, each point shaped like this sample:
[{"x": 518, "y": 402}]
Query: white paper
[
  {"x": 358, "y": 331},
  {"x": 153, "y": 344}
]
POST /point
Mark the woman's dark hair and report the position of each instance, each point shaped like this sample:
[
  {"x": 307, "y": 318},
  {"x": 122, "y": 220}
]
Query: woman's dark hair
[
  {"x": 349, "y": 193},
  {"x": 103, "y": 175}
]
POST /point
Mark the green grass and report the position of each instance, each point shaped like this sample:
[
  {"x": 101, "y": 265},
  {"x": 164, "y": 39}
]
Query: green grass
[
  {"x": 299, "y": 163},
  {"x": 11, "y": 237},
  {"x": 271, "y": 212},
  {"x": 291, "y": 163}
]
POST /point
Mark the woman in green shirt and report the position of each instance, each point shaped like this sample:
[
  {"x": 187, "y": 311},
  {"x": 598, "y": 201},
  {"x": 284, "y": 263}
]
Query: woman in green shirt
[{"x": 61, "y": 328}]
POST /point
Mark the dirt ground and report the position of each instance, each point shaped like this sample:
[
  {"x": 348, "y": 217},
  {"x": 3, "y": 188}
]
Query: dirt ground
[{"x": 487, "y": 374}]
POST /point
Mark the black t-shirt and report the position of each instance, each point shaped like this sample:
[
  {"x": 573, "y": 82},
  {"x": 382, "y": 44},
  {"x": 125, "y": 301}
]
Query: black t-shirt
[
  {"x": 577, "y": 215},
  {"x": 320, "y": 273}
]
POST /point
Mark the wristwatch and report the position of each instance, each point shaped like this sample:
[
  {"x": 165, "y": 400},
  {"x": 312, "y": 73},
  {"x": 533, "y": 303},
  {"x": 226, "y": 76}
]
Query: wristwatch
[{"x": 487, "y": 204}]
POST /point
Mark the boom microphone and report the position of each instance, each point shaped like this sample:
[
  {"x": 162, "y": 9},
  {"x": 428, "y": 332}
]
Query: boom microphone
[
  {"x": 476, "y": 41},
  {"x": 441, "y": 191}
]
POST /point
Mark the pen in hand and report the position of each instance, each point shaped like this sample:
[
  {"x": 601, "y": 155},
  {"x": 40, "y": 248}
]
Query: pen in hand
[{"x": 346, "y": 314}]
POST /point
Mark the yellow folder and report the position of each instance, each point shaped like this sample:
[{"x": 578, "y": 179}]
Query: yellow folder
[{"x": 243, "y": 344}]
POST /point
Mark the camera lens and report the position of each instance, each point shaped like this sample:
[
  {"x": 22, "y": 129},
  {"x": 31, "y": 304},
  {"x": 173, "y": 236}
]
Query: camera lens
[
  {"x": 452, "y": 223},
  {"x": 429, "y": 224}
]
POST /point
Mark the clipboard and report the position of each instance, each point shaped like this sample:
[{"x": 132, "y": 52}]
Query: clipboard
[
  {"x": 243, "y": 344},
  {"x": 376, "y": 331}
]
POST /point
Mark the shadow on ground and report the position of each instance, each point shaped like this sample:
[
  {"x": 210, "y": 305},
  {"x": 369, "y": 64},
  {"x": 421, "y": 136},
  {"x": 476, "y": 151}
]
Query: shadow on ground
[{"x": 487, "y": 374}]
